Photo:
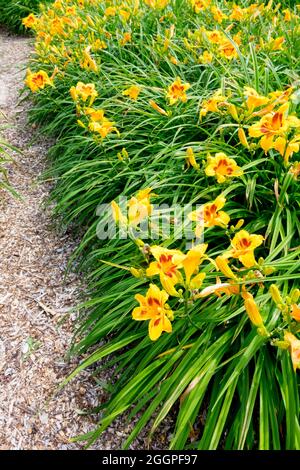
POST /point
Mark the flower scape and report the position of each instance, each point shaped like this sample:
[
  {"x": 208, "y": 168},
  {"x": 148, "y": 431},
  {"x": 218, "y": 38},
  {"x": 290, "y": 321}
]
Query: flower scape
[{"x": 190, "y": 102}]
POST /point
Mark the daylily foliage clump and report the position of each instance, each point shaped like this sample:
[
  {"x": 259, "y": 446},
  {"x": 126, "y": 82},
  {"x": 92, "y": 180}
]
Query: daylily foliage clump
[{"x": 182, "y": 103}]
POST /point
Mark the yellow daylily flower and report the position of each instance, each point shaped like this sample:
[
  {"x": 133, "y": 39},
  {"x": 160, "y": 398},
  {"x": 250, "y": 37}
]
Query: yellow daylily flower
[
  {"x": 206, "y": 57},
  {"x": 271, "y": 125},
  {"x": 237, "y": 13},
  {"x": 243, "y": 246},
  {"x": 294, "y": 349},
  {"x": 132, "y": 92},
  {"x": 83, "y": 91},
  {"x": 210, "y": 215},
  {"x": 286, "y": 148},
  {"x": 227, "y": 288},
  {"x": 139, "y": 206},
  {"x": 88, "y": 62},
  {"x": 102, "y": 127},
  {"x": 222, "y": 167},
  {"x": 212, "y": 104},
  {"x": 157, "y": 4},
  {"x": 125, "y": 39},
  {"x": 215, "y": 37},
  {"x": 177, "y": 91},
  {"x": 38, "y": 80},
  {"x": 167, "y": 264},
  {"x": 117, "y": 213},
  {"x": 295, "y": 170},
  {"x": 30, "y": 21},
  {"x": 157, "y": 108},
  {"x": 190, "y": 159},
  {"x": 218, "y": 15},
  {"x": 277, "y": 44},
  {"x": 254, "y": 99},
  {"x": 110, "y": 11},
  {"x": 200, "y": 5},
  {"x": 192, "y": 261},
  {"x": 153, "y": 307},
  {"x": 287, "y": 14},
  {"x": 99, "y": 45},
  {"x": 295, "y": 313},
  {"x": 228, "y": 50}
]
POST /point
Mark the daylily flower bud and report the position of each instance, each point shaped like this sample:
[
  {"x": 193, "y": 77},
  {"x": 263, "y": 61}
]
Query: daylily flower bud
[
  {"x": 252, "y": 309},
  {"x": 295, "y": 294},
  {"x": 275, "y": 294},
  {"x": 294, "y": 347},
  {"x": 136, "y": 272},
  {"x": 239, "y": 224},
  {"x": 243, "y": 138},
  {"x": 222, "y": 265},
  {"x": 233, "y": 111},
  {"x": 281, "y": 344}
]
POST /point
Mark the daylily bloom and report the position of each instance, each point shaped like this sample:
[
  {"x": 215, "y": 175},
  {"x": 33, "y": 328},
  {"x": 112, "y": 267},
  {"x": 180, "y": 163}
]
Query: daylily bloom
[
  {"x": 84, "y": 91},
  {"x": 200, "y": 5},
  {"x": 117, "y": 213},
  {"x": 190, "y": 159},
  {"x": 125, "y": 39},
  {"x": 110, "y": 11},
  {"x": 227, "y": 49},
  {"x": 139, "y": 206},
  {"x": 210, "y": 215},
  {"x": 158, "y": 108},
  {"x": 218, "y": 15},
  {"x": 191, "y": 263},
  {"x": 215, "y": 37},
  {"x": 88, "y": 61},
  {"x": 295, "y": 313},
  {"x": 153, "y": 307},
  {"x": 30, "y": 21},
  {"x": 227, "y": 288},
  {"x": 38, "y": 80},
  {"x": 237, "y": 13},
  {"x": 99, "y": 45},
  {"x": 222, "y": 167},
  {"x": 206, "y": 57},
  {"x": 167, "y": 264},
  {"x": 254, "y": 99},
  {"x": 295, "y": 169},
  {"x": 287, "y": 15},
  {"x": 157, "y": 4},
  {"x": 294, "y": 348},
  {"x": 102, "y": 126},
  {"x": 212, "y": 104},
  {"x": 243, "y": 245},
  {"x": 177, "y": 91},
  {"x": 277, "y": 44},
  {"x": 132, "y": 92},
  {"x": 125, "y": 14},
  {"x": 271, "y": 125},
  {"x": 286, "y": 147}
]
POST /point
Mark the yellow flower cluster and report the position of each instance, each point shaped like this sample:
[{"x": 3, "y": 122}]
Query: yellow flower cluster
[{"x": 264, "y": 117}]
